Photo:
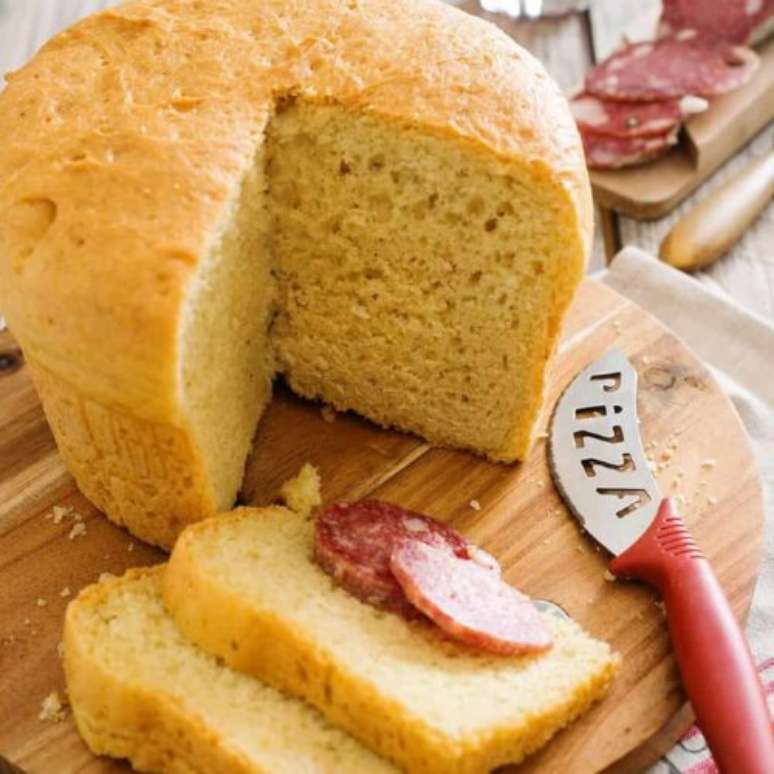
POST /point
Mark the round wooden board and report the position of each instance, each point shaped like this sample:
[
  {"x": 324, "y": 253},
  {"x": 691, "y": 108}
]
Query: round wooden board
[{"x": 521, "y": 520}]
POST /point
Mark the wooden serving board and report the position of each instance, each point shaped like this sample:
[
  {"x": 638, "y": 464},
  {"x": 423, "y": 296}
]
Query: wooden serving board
[
  {"x": 648, "y": 191},
  {"x": 521, "y": 521}
]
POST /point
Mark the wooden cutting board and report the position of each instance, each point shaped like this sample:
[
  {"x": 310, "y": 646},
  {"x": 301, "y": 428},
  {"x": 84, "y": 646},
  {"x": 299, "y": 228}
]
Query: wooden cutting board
[{"x": 520, "y": 520}]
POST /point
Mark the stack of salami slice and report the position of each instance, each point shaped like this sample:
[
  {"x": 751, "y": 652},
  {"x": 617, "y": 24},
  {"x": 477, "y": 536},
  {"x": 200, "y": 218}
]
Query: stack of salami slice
[{"x": 633, "y": 104}]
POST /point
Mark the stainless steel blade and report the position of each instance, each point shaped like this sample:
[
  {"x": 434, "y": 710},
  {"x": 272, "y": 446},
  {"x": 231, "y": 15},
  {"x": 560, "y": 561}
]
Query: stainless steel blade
[{"x": 596, "y": 455}]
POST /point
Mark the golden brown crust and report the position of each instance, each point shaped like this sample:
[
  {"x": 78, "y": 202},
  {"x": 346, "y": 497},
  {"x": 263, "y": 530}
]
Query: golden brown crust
[
  {"x": 135, "y": 124},
  {"x": 130, "y": 468},
  {"x": 124, "y": 138}
]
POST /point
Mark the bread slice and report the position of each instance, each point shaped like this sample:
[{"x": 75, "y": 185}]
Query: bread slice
[
  {"x": 245, "y": 587},
  {"x": 139, "y": 690}
]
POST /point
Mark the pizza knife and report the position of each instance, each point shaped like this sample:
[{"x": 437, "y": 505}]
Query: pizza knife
[{"x": 600, "y": 469}]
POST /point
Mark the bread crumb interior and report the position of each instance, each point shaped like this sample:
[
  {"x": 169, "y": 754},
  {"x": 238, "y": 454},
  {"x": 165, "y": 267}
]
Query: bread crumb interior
[{"x": 382, "y": 269}]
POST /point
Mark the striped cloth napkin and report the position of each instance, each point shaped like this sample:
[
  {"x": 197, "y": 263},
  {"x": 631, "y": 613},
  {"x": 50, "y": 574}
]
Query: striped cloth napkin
[{"x": 738, "y": 348}]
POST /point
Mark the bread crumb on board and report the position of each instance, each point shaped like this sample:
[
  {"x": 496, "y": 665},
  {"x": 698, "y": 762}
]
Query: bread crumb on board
[
  {"x": 65, "y": 592},
  {"x": 302, "y": 492},
  {"x": 475, "y": 505},
  {"x": 328, "y": 413},
  {"x": 105, "y": 576},
  {"x": 53, "y": 708},
  {"x": 40, "y": 602},
  {"x": 58, "y": 513},
  {"x": 78, "y": 530},
  {"x": 609, "y": 577}
]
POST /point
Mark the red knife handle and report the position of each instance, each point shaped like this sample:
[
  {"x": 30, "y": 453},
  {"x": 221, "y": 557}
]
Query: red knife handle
[{"x": 715, "y": 662}]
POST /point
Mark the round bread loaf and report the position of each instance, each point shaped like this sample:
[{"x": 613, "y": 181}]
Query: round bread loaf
[{"x": 385, "y": 202}]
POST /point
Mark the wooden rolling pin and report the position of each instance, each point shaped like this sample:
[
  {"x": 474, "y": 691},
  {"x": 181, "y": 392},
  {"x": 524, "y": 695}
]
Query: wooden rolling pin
[{"x": 713, "y": 226}]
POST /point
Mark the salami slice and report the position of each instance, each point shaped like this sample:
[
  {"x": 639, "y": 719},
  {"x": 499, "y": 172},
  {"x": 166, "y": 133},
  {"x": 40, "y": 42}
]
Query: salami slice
[
  {"x": 467, "y": 601},
  {"x": 607, "y": 152},
  {"x": 632, "y": 119},
  {"x": 737, "y": 21},
  {"x": 671, "y": 67},
  {"x": 354, "y": 542}
]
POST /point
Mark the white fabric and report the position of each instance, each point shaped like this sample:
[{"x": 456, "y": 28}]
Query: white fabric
[{"x": 738, "y": 347}]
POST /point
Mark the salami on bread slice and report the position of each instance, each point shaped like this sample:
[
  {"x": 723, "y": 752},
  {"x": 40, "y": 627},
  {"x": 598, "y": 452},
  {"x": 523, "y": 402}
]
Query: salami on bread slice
[
  {"x": 671, "y": 67},
  {"x": 467, "y": 601},
  {"x": 618, "y": 118},
  {"x": 246, "y": 588},
  {"x": 737, "y": 21},
  {"x": 354, "y": 542}
]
